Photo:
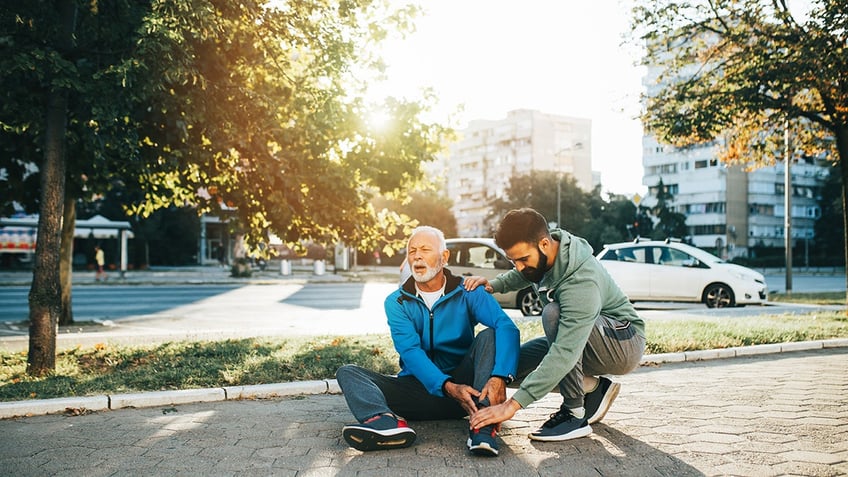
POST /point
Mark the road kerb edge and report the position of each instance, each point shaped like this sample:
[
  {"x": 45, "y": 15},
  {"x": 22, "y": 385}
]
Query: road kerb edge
[
  {"x": 35, "y": 407},
  {"x": 265, "y": 391},
  {"x": 165, "y": 398}
]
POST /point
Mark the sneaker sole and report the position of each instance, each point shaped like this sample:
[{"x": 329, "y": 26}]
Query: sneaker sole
[
  {"x": 482, "y": 449},
  {"x": 606, "y": 403},
  {"x": 576, "y": 433},
  {"x": 368, "y": 440}
]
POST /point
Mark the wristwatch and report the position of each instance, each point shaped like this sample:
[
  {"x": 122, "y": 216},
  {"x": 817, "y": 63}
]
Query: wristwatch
[{"x": 507, "y": 379}]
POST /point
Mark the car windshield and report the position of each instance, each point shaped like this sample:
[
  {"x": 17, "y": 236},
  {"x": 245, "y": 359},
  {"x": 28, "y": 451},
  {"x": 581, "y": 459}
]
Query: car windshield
[{"x": 701, "y": 255}]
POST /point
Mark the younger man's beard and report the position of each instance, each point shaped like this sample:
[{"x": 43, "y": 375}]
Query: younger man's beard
[{"x": 535, "y": 274}]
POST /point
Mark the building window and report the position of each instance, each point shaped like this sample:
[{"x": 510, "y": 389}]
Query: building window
[
  {"x": 700, "y": 164},
  {"x": 715, "y": 229},
  {"x": 761, "y": 209}
]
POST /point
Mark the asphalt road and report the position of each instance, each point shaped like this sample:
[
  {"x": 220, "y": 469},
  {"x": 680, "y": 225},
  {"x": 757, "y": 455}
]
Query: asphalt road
[{"x": 113, "y": 302}]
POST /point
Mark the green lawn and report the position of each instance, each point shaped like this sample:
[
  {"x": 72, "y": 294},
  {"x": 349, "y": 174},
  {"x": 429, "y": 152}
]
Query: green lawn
[
  {"x": 820, "y": 298},
  {"x": 107, "y": 369}
]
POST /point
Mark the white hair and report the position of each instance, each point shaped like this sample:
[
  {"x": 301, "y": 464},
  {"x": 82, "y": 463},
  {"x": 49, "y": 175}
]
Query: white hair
[{"x": 433, "y": 230}]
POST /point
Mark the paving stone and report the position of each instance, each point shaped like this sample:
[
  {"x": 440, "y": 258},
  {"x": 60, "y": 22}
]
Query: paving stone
[{"x": 750, "y": 415}]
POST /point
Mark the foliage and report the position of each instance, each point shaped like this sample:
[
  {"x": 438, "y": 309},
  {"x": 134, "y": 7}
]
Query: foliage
[
  {"x": 421, "y": 207},
  {"x": 585, "y": 214},
  {"x": 538, "y": 190},
  {"x": 829, "y": 227},
  {"x": 252, "y": 106},
  {"x": 671, "y": 223},
  {"x": 168, "y": 236},
  {"x": 738, "y": 73},
  {"x": 246, "y": 105},
  {"x": 610, "y": 219}
]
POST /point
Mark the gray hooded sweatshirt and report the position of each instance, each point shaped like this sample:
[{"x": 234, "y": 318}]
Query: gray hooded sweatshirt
[{"x": 584, "y": 290}]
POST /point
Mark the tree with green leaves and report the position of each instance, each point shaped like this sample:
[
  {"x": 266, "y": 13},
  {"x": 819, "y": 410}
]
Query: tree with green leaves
[
  {"x": 538, "y": 189},
  {"x": 829, "y": 231},
  {"x": 253, "y": 106},
  {"x": 586, "y": 214},
  {"x": 424, "y": 207},
  {"x": 671, "y": 223},
  {"x": 611, "y": 219},
  {"x": 739, "y": 73}
]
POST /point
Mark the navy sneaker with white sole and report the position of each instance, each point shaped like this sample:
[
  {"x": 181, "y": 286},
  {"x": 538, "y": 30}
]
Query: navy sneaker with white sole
[
  {"x": 483, "y": 441},
  {"x": 562, "y": 426},
  {"x": 598, "y": 402}
]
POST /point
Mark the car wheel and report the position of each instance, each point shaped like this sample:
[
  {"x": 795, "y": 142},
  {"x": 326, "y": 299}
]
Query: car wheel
[
  {"x": 719, "y": 295},
  {"x": 528, "y": 303}
]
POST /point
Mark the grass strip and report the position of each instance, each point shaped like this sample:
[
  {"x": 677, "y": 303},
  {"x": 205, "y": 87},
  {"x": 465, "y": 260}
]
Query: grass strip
[{"x": 111, "y": 369}]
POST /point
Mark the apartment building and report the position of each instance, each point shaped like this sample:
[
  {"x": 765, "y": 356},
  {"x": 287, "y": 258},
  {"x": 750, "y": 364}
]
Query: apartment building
[
  {"x": 729, "y": 209},
  {"x": 480, "y": 164}
]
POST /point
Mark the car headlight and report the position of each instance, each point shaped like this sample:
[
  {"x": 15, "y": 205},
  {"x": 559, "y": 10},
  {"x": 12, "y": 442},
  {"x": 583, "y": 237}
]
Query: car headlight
[{"x": 742, "y": 275}]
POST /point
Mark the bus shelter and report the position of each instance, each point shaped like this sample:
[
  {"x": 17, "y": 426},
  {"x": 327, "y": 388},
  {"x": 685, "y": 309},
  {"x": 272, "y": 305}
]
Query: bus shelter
[{"x": 18, "y": 235}]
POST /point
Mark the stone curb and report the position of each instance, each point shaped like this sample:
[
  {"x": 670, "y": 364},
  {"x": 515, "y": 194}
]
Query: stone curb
[{"x": 78, "y": 405}]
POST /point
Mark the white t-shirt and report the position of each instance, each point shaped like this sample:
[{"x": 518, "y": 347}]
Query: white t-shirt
[{"x": 431, "y": 297}]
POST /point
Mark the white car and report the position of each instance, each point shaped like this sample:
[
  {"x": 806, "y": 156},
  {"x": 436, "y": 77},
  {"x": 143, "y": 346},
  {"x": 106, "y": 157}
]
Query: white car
[
  {"x": 481, "y": 257},
  {"x": 673, "y": 271}
]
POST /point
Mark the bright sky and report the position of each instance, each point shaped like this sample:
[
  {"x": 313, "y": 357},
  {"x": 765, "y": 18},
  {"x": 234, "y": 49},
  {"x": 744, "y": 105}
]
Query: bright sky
[{"x": 557, "y": 56}]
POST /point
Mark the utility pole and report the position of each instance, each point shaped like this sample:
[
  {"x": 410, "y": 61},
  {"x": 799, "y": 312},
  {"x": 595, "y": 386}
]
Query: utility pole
[{"x": 787, "y": 205}]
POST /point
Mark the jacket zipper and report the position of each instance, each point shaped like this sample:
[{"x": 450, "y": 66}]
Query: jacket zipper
[{"x": 431, "y": 335}]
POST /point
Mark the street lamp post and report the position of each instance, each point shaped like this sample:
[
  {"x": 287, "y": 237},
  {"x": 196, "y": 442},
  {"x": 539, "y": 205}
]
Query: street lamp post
[
  {"x": 559, "y": 200},
  {"x": 558, "y": 155}
]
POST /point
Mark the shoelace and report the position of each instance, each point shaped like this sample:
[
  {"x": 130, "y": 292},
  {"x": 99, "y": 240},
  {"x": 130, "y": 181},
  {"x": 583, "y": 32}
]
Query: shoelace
[
  {"x": 489, "y": 430},
  {"x": 398, "y": 422},
  {"x": 557, "y": 418}
]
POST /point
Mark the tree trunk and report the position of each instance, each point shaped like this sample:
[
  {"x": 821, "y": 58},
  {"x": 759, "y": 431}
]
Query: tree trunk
[
  {"x": 45, "y": 298},
  {"x": 66, "y": 260}
]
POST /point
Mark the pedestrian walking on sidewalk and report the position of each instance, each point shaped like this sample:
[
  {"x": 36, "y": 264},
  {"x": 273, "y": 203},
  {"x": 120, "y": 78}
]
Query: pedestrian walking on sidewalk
[
  {"x": 100, "y": 261},
  {"x": 591, "y": 328},
  {"x": 446, "y": 372}
]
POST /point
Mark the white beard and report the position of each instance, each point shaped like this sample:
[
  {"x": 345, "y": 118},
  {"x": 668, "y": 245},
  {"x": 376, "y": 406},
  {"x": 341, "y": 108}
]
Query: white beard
[{"x": 427, "y": 275}]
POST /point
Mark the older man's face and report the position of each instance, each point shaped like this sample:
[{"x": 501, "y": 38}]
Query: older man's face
[{"x": 425, "y": 259}]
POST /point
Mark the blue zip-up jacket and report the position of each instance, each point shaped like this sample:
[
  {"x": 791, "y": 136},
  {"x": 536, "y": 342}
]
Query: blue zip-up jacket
[{"x": 432, "y": 344}]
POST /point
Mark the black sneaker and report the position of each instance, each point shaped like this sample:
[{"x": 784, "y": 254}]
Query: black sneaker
[
  {"x": 382, "y": 431},
  {"x": 483, "y": 441},
  {"x": 562, "y": 426},
  {"x": 598, "y": 402}
]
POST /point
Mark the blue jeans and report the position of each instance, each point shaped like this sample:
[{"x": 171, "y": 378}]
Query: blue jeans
[{"x": 369, "y": 393}]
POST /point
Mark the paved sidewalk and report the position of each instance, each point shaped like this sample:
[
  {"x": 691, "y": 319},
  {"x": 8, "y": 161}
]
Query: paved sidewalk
[{"x": 773, "y": 414}]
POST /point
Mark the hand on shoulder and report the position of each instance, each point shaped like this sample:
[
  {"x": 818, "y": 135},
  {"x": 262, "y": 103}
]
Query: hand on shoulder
[{"x": 472, "y": 282}]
